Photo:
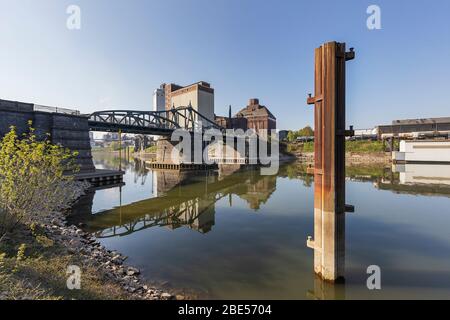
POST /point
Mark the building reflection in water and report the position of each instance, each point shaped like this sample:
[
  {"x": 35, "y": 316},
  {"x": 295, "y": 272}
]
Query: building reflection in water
[
  {"x": 414, "y": 179},
  {"x": 190, "y": 201},
  {"x": 179, "y": 200},
  {"x": 423, "y": 174}
]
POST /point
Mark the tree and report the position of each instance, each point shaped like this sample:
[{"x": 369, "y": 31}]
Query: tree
[
  {"x": 291, "y": 136},
  {"x": 33, "y": 179},
  {"x": 306, "y": 132}
]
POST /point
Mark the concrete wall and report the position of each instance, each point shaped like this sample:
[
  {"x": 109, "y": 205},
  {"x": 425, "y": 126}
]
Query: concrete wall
[
  {"x": 201, "y": 101},
  {"x": 206, "y": 104},
  {"x": 164, "y": 149},
  {"x": 67, "y": 130},
  {"x": 183, "y": 99}
]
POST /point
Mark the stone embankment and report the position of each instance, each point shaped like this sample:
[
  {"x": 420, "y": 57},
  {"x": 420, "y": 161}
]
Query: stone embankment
[
  {"x": 353, "y": 158},
  {"x": 110, "y": 264}
]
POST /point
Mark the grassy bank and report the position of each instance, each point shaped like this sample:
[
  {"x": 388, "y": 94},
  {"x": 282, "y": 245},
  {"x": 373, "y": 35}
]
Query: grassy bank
[
  {"x": 350, "y": 146},
  {"x": 32, "y": 266}
]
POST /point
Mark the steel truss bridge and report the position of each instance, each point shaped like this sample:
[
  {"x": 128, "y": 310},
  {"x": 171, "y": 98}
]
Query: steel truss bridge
[{"x": 150, "y": 122}]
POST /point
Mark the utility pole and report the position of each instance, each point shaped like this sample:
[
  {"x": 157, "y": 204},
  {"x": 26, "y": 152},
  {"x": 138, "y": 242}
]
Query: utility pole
[{"x": 120, "y": 150}]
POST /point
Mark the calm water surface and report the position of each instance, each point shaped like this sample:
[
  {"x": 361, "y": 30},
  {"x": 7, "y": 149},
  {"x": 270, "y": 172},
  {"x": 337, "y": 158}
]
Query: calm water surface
[{"x": 243, "y": 236}]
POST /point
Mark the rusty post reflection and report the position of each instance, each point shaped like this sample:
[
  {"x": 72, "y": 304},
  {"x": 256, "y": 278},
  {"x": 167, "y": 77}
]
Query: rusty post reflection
[{"x": 329, "y": 161}]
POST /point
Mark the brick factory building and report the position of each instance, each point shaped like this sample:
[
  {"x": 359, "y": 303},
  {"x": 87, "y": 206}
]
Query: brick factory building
[
  {"x": 254, "y": 116},
  {"x": 231, "y": 122},
  {"x": 258, "y": 116}
]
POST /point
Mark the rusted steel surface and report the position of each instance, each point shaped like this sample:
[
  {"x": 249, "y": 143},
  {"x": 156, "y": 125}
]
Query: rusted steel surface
[{"x": 329, "y": 160}]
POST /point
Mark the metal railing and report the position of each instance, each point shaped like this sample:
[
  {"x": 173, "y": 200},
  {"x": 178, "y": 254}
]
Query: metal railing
[
  {"x": 41, "y": 108},
  {"x": 172, "y": 119}
]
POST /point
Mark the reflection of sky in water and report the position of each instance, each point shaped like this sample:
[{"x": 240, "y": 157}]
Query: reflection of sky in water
[
  {"x": 136, "y": 188},
  {"x": 262, "y": 253}
]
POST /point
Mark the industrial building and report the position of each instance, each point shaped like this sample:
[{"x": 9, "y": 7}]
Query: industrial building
[
  {"x": 416, "y": 128},
  {"x": 254, "y": 116},
  {"x": 199, "y": 95},
  {"x": 159, "y": 99},
  {"x": 258, "y": 116},
  {"x": 231, "y": 122}
]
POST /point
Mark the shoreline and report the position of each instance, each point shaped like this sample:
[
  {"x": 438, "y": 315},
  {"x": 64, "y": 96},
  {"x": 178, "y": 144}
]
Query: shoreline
[
  {"x": 352, "y": 158},
  {"x": 110, "y": 264}
]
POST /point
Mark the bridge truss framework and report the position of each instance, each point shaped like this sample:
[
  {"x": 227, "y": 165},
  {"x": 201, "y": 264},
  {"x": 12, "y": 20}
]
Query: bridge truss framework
[{"x": 150, "y": 122}]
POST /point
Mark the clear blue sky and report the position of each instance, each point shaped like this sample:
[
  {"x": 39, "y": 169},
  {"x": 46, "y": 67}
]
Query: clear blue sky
[{"x": 244, "y": 48}]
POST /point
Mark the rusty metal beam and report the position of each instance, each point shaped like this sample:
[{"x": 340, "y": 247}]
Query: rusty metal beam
[{"x": 329, "y": 160}]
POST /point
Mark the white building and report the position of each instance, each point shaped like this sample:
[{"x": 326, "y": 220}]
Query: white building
[
  {"x": 159, "y": 100},
  {"x": 422, "y": 151}
]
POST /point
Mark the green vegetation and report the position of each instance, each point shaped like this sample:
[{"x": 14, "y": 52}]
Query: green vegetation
[
  {"x": 364, "y": 146},
  {"x": 151, "y": 149},
  {"x": 33, "y": 182},
  {"x": 308, "y": 146},
  {"x": 370, "y": 171},
  {"x": 350, "y": 146},
  {"x": 298, "y": 171},
  {"x": 33, "y": 186},
  {"x": 305, "y": 132}
]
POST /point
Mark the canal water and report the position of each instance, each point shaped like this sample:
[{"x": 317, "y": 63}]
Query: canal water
[{"x": 243, "y": 235}]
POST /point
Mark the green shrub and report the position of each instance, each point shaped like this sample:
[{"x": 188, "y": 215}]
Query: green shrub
[
  {"x": 364, "y": 146},
  {"x": 33, "y": 179}
]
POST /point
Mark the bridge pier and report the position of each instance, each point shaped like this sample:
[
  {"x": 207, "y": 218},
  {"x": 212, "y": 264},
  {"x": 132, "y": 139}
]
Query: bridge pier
[{"x": 164, "y": 150}]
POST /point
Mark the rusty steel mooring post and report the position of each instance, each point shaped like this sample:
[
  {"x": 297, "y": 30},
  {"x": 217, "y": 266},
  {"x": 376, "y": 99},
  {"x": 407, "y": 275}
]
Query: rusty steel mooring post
[{"x": 329, "y": 160}]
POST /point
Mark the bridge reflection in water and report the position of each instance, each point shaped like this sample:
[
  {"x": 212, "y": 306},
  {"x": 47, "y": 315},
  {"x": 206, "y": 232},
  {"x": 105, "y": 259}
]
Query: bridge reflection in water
[
  {"x": 269, "y": 253},
  {"x": 179, "y": 200},
  {"x": 182, "y": 200}
]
